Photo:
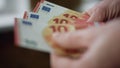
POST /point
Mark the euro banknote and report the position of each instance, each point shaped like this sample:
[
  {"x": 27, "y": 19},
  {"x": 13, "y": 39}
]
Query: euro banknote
[{"x": 36, "y": 28}]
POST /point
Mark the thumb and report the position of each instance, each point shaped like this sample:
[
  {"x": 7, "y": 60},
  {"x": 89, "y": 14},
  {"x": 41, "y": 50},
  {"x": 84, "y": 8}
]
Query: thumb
[{"x": 76, "y": 39}]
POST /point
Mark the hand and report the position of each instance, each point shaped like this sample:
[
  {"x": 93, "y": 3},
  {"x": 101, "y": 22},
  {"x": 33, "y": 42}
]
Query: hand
[
  {"x": 103, "y": 49},
  {"x": 104, "y": 11}
]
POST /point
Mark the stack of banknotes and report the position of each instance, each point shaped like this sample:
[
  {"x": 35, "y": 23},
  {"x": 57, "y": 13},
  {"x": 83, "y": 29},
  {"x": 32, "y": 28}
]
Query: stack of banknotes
[{"x": 36, "y": 28}]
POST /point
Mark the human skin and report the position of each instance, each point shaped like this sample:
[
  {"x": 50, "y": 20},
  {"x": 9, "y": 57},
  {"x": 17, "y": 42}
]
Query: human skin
[
  {"x": 102, "y": 43},
  {"x": 102, "y": 52},
  {"x": 104, "y": 11}
]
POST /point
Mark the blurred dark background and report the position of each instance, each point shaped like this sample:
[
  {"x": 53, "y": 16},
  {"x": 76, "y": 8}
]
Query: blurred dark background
[{"x": 12, "y": 56}]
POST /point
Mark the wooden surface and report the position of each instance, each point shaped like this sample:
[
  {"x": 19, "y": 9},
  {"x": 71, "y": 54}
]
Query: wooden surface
[{"x": 16, "y": 57}]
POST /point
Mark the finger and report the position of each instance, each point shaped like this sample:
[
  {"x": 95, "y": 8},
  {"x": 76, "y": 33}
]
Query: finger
[
  {"x": 104, "y": 52},
  {"x": 90, "y": 11},
  {"x": 97, "y": 13},
  {"x": 76, "y": 39},
  {"x": 97, "y": 16}
]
